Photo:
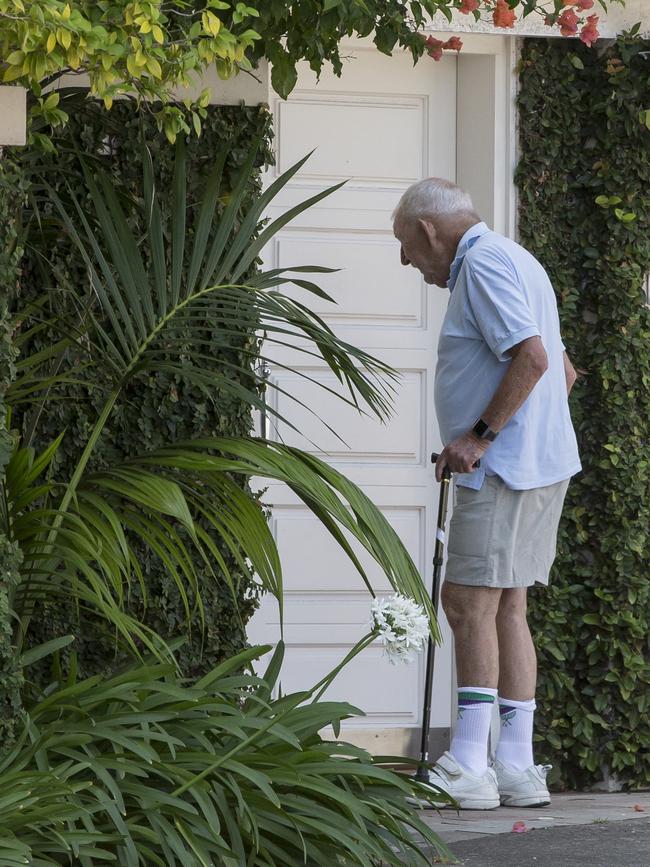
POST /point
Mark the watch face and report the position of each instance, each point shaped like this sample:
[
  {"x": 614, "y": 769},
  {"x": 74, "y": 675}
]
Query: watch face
[
  {"x": 482, "y": 430},
  {"x": 480, "y": 427}
]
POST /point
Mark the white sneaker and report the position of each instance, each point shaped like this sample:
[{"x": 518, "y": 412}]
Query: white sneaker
[
  {"x": 523, "y": 788},
  {"x": 471, "y": 791}
]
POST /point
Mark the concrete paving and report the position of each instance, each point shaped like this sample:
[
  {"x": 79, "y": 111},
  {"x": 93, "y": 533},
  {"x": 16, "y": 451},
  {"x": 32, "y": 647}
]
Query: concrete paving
[
  {"x": 578, "y": 828},
  {"x": 574, "y": 808},
  {"x": 606, "y": 844}
]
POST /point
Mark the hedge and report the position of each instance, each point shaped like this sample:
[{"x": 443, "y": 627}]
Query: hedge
[
  {"x": 584, "y": 185},
  {"x": 168, "y": 409},
  {"x": 12, "y": 196}
]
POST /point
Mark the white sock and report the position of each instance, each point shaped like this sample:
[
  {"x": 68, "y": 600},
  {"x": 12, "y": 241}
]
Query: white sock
[
  {"x": 515, "y": 747},
  {"x": 470, "y": 742}
]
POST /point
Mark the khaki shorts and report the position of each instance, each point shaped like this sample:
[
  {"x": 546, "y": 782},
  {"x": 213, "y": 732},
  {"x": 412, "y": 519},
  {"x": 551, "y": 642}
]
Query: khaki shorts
[{"x": 503, "y": 538}]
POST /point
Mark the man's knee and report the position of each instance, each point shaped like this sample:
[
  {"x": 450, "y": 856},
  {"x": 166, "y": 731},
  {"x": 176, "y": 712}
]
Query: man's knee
[
  {"x": 513, "y": 605},
  {"x": 467, "y": 606}
]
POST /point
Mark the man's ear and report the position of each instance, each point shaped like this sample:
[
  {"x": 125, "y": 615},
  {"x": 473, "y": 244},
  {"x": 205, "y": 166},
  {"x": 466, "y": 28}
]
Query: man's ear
[{"x": 429, "y": 230}]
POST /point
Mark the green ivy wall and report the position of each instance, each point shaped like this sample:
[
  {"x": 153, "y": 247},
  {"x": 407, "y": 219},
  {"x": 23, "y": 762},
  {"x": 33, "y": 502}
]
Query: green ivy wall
[{"x": 584, "y": 185}]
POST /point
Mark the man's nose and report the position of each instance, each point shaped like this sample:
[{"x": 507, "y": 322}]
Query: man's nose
[{"x": 402, "y": 254}]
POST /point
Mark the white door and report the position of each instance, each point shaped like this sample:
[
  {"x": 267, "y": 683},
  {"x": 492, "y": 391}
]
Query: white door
[{"x": 383, "y": 125}]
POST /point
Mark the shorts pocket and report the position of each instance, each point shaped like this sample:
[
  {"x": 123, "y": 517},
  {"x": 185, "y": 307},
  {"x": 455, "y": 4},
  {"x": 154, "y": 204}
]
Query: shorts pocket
[{"x": 470, "y": 529}]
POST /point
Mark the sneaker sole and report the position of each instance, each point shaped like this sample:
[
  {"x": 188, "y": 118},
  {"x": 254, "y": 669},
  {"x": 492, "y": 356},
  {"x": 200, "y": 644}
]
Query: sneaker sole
[
  {"x": 486, "y": 804},
  {"x": 478, "y": 804},
  {"x": 530, "y": 801}
]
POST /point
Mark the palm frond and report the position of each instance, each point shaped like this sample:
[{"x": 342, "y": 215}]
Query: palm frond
[{"x": 221, "y": 255}]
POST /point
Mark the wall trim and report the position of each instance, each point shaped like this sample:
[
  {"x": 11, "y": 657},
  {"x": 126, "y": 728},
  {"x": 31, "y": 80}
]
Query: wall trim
[{"x": 394, "y": 741}]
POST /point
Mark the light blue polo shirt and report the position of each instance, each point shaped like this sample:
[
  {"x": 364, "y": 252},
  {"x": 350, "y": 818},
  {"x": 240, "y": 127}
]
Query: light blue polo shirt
[{"x": 501, "y": 295}]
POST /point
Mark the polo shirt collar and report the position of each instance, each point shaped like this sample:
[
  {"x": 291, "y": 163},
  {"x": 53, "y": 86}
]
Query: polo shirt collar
[{"x": 468, "y": 240}]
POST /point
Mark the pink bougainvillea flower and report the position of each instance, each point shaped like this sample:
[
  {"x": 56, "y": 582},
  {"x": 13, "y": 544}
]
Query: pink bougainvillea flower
[
  {"x": 568, "y": 22},
  {"x": 469, "y": 6},
  {"x": 589, "y": 33},
  {"x": 453, "y": 44},
  {"x": 583, "y": 5},
  {"x": 519, "y": 828},
  {"x": 434, "y": 47},
  {"x": 503, "y": 15}
]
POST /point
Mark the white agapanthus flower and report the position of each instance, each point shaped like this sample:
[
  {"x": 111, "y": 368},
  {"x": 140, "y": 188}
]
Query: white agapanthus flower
[{"x": 402, "y": 625}]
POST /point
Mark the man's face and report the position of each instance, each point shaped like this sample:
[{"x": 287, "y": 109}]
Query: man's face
[{"x": 422, "y": 248}]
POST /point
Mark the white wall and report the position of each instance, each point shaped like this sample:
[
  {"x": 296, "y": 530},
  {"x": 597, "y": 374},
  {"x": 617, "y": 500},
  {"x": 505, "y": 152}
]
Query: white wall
[
  {"x": 12, "y": 115},
  {"x": 251, "y": 89}
]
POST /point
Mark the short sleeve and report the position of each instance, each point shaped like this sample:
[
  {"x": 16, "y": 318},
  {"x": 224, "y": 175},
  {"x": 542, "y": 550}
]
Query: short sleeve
[{"x": 497, "y": 303}]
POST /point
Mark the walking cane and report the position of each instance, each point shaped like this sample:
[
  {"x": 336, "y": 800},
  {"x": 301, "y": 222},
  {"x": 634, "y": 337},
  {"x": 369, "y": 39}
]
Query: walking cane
[{"x": 422, "y": 773}]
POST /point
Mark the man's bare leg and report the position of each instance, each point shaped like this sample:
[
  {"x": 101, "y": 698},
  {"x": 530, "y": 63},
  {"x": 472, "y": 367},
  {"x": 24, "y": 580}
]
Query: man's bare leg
[
  {"x": 517, "y": 658},
  {"x": 517, "y": 680},
  {"x": 471, "y": 612}
]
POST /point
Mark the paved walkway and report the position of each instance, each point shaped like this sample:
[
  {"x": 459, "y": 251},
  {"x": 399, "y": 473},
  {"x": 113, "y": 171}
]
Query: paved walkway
[{"x": 579, "y": 828}]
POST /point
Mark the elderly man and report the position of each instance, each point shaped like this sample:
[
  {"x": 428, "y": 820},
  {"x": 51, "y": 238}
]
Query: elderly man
[{"x": 501, "y": 388}]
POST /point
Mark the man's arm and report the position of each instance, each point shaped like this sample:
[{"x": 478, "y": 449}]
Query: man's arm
[
  {"x": 569, "y": 373},
  {"x": 529, "y": 362}
]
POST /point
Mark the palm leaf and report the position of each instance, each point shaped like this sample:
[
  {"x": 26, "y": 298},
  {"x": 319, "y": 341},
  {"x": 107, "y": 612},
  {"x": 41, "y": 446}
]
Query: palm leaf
[{"x": 124, "y": 757}]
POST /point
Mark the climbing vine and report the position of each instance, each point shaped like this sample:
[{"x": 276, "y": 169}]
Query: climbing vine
[{"x": 585, "y": 213}]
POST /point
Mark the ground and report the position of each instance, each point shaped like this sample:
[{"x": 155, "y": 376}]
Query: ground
[{"x": 579, "y": 828}]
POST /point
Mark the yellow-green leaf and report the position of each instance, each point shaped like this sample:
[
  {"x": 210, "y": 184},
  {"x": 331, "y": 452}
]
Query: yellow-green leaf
[
  {"x": 52, "y": 101},
  {"x": 154, "y": 67},
  {"x": 16, "y": 58},
  {"x": 131, "y": 66},
  {"x": 211, "y": 24},
  {"x": 12, "y": 73}
]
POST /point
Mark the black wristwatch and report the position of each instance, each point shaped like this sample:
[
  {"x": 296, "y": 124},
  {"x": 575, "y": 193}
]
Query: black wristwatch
[{"x": 481, "y": 429}]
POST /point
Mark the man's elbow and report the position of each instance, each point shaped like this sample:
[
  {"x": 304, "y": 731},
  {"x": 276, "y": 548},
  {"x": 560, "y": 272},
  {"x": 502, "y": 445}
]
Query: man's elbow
[
  {"x": 541, "y": 362},
  {"x": 531, "y": 354},
  {"x": 537, "y": 358}
]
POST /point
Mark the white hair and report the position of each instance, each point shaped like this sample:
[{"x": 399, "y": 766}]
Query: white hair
[{"x": 434, "y": 197}]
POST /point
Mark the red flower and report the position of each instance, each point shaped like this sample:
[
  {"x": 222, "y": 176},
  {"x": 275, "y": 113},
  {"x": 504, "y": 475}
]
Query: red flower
[
  {"x": 589, "y": 33},
  {"x": 453, "y": 44},
  {"x": 434, "y": 47},
  {"x": 583, "y": 5},
  {"x": 503, "y": 15},
  {"x": 469, "y": 6},
  {"x": 568, "y": 22}
]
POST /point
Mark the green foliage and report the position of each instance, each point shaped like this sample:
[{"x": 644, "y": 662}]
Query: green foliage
[
  {"x": 13, "y": 188},
  {"x": 104, "y": 520},
  {"x": 142, "y": 770},
  {"x": 584, "y": 181},
  {"x": 312, "y": 30},
  {"x": 126, "y": 283},
  {"x": 146, "y": 49},
  {"x": 169, "y": 408},
  {"x": 149, "y": 49}
]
